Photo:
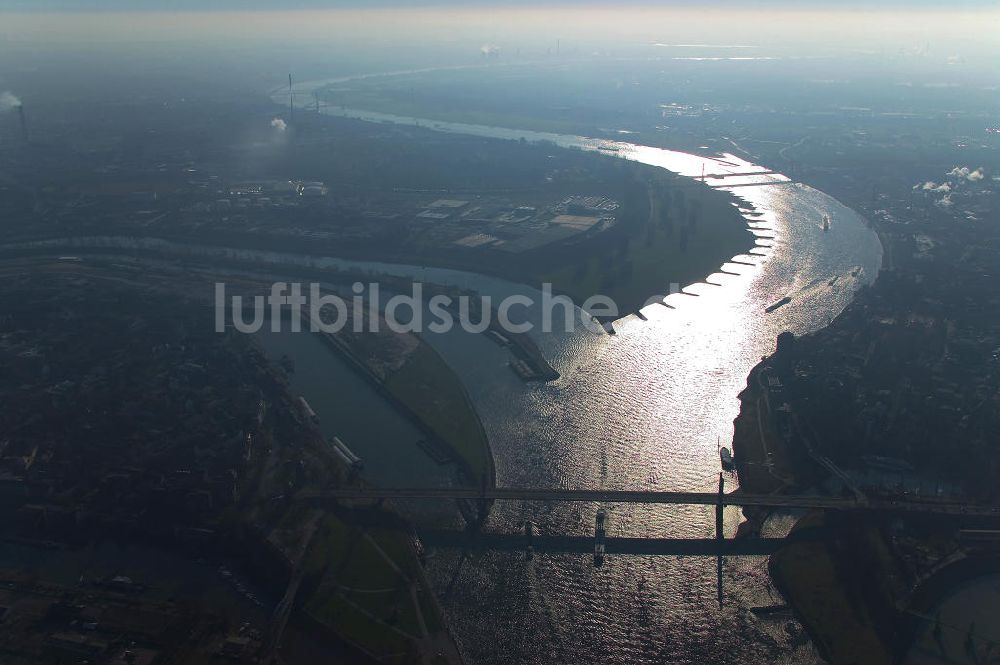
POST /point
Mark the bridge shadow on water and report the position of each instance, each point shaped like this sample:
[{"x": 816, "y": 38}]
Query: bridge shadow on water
[{"x": 472, "y": 540}]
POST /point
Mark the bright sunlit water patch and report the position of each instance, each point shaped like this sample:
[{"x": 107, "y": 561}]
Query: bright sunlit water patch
[{"x": 645, "y": 409}]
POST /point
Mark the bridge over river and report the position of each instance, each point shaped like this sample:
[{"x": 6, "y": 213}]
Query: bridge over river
[
  {"x": 789, "y": 501},
  {"x": 720, "y": 547},
  {"x": 506, "y": 542}
]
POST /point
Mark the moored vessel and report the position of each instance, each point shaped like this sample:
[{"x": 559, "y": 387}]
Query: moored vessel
[
  {"x": 599, "y": 537},
  {"x": 781, "y": 303},
  {"x": 726, "y": 457}
]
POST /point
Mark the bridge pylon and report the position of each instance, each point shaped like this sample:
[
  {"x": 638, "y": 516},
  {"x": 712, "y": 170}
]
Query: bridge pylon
[{"x": 720, "y": 534}]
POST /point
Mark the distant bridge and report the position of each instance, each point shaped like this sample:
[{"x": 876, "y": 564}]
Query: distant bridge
[
  {"x": 474, "y": 538},
  {"x": 901, "y": 505}
]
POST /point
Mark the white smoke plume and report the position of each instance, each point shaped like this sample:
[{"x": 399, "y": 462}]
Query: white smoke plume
[
  {"x": 8, "y": 101},
  {"x": 965, "y": 173},
  {"x": 279, "y": 124},
  {"x": 945, "y": 201},
  {"x": 490, "y": 50}
]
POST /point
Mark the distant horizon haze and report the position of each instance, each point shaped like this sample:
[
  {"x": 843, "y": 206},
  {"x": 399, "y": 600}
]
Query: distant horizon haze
[{"x": 873, "y": 25}]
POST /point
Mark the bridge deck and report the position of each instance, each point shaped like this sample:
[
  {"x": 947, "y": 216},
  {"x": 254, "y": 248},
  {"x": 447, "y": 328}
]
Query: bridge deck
[
  {"x": 657, "y": 497},
  {"x": 614, "y": 545}
]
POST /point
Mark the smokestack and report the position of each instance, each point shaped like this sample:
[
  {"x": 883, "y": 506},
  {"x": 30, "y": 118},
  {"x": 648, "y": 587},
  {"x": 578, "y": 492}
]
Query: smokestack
[
  {"x": 24, "y": 122},
  {"x": 291, "y": 100}
]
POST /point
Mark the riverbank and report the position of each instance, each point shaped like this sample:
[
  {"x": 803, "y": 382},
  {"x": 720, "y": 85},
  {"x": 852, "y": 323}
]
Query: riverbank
[
  {"x": 407, "y": 372},
  {"x": 763, "y": 462},
  {"x": 812, "y": 575},
  {"x": 841, "y": 588},
  {"x": 673, "y": 232},
  {"x": 421, "y": 385},
  {"x": 627, "y": 411}
]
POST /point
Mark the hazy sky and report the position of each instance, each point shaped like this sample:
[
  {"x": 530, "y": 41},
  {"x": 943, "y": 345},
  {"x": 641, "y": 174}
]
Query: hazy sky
[
  {"x": 48, "y": 47},
  {"x": 168, "y": 5},
  {"x": 960, "y": 30}
]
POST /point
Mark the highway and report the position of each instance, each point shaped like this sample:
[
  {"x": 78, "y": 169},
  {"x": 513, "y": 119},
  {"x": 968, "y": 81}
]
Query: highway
[{"x": 908, "y": 505}]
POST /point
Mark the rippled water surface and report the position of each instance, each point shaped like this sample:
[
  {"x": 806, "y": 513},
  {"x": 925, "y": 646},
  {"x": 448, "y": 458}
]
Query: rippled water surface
[{"x": 645, "y": 409}]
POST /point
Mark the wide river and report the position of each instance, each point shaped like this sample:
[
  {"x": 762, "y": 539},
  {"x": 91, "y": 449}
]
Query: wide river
[{"x": 644, "y": 409}]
